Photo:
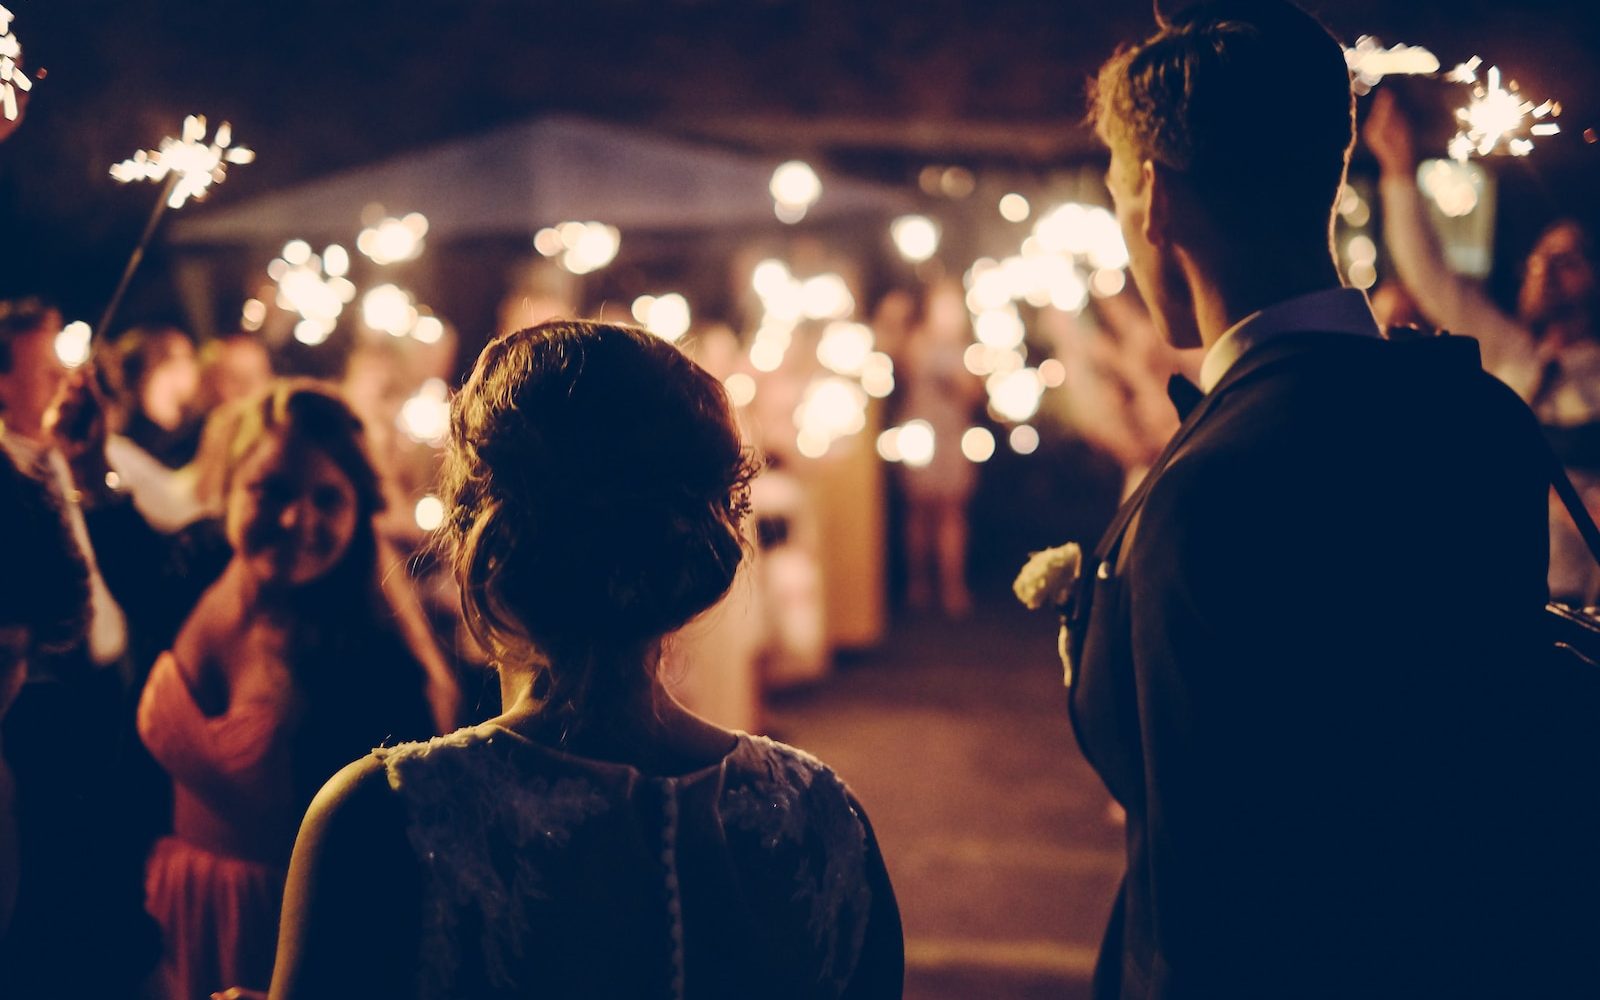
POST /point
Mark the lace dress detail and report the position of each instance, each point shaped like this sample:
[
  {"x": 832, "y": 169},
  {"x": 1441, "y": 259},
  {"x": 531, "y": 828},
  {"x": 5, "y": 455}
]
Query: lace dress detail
[
  {"x": 552, "y": 875},
  {"x": 458, "y": 801},
  {"x": 801, "y": 810}
]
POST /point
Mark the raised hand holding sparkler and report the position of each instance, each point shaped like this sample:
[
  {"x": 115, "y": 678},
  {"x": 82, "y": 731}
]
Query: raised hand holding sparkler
[{"x": 190, "y": 166}]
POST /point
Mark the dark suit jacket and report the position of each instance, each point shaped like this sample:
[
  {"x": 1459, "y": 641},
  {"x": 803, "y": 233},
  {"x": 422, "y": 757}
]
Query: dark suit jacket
[{"x": 1288, "y": 673}]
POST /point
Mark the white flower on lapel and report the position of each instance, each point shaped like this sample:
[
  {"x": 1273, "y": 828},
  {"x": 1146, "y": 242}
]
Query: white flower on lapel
[{"x": 1047, "y": 579}]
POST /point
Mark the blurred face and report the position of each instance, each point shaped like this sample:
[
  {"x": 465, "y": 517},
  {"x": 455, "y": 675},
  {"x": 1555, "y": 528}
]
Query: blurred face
[
  {"x": 1154, "y": 266},
  {"x": 1559, "y": 282},
  {"x": 240, "y": 369},
  {"x": 32, "y": 391},
  {"x": 171, "y": 382},
  {"x": 291, "y": 513}
]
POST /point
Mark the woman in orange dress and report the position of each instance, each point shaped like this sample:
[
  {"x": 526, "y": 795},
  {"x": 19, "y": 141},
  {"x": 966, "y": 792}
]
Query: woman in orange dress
[{"x": 290, "y": 667}]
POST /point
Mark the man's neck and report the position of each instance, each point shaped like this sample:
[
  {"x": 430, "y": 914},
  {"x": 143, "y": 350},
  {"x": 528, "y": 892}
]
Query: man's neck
[{"x": 1220, "y": 304}]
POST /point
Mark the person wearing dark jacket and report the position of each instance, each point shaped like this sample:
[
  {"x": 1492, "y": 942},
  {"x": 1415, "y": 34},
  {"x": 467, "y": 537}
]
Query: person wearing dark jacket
[{"x": 1293, "y": 655}]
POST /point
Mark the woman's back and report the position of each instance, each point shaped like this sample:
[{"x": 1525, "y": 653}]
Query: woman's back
[{"x": 547, "y": 874}]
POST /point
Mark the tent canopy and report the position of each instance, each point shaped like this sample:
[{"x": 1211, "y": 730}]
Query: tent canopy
[{"x": 521, "y": 177}]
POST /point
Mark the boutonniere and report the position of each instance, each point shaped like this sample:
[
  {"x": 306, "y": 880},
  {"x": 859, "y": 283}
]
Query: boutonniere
[{"x": 1046, "y": 581}]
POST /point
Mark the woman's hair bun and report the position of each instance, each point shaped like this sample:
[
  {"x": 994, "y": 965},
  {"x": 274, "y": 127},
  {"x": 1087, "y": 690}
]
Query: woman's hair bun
[{"x": 597, "y": 484}]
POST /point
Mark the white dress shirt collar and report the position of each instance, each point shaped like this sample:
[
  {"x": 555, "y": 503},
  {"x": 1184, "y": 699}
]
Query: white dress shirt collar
[{"x": 1333, "y": 310}]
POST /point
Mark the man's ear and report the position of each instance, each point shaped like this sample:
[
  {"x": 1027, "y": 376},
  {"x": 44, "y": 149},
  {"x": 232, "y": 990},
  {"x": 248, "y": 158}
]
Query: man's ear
[{"x": 1156, "y": 185}]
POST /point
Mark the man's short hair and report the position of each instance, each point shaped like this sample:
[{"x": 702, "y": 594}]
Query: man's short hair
[
  {"x": 1249, "y": 99},
  {"x": 18, "y": 318}
]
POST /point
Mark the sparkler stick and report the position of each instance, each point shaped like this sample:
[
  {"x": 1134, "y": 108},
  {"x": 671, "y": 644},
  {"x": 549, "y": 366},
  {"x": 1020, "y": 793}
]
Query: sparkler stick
[
  {"x": 156, "y": 213},
  {"x": 190, "y": 166}
]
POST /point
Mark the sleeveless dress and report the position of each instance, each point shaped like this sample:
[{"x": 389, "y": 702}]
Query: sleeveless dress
[
  {"x": 215, "y": 885},
  {"x": 546, "y": 874}
]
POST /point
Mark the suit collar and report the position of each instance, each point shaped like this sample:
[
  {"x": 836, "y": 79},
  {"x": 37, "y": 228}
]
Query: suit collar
[{"x": 1332, "y": 310}]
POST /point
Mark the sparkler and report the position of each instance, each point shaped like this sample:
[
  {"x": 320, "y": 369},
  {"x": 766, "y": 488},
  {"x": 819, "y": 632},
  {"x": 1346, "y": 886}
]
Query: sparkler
[
  {"x": 1370, "y": 62},
  {"x": 12, "y": 79},
  {"x": 189, "y": 165},
  {"x": 1497, "y": 114}
]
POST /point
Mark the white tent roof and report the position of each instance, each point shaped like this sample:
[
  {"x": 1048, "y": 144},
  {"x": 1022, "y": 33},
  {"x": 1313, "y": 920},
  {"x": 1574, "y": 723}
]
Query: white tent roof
[{"x": 519, "y": 178}]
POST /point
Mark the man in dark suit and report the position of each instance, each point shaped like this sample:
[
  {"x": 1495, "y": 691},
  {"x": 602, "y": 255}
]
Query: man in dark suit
[{"x": 1294, "y": 647}]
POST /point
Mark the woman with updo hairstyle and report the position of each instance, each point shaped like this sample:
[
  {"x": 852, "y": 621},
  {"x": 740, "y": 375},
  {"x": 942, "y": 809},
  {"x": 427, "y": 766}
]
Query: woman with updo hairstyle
[
  {"x": 293, "y": 663},
  {"x": 596, "y": 839}
]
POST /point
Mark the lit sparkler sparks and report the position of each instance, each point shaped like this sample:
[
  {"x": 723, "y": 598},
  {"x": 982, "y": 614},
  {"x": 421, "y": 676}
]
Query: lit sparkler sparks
[
  {"x": 1496, "y": 115},
  {"x": 12, "y": 79},
  {"x": 189, "y": 163}
]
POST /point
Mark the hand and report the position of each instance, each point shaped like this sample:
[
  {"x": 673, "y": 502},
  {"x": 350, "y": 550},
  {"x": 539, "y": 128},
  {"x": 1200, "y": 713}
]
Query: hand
[
  {"x": 1390, "y": 136},
  {"x": 82, "y": 424}
]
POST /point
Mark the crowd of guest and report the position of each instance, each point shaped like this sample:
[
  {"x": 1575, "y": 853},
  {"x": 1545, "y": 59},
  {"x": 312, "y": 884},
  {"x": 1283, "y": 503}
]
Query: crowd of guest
[
  {"x": 209, "y": 624},
  {"x": 214, "y": 622}
]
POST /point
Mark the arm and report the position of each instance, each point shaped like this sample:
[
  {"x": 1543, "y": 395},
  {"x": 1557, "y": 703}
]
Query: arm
[
  {"x": 881, "y": 970},
  {"x": 1450, "y": 301},
  {"x": 351, "y": 909}
]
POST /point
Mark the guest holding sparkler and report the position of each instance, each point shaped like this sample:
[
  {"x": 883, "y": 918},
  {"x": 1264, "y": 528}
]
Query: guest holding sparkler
[
  {"x": 1549, "y": 351},
  {"x": 290, "y": 666},
  {"x": 596, "y": 839}
]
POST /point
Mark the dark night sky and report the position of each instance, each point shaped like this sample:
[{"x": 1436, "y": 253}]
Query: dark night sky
[{"x": 871, "y": 87}]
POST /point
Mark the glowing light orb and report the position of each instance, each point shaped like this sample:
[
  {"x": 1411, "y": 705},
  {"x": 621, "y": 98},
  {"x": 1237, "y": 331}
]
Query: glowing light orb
[
  {"x": 390, "y": 309},
  {"x": 335, "y": 261},
  {"x": 393, "y": 240},
  {"x": 1000, "y": 328},
  {"x": 425, "y": 417},
  {"x": 1015, "y": 395},
  {"x": 915, "y": 443},
  {"x": 312, "y": 332},
  {"x": 72, "y": 343},
  {"x": 770, "y": 277},
  {"x": 877, "y": 375},
  {"x": 667, "y": 316},
  {"x": 915, "y": 236},
  {"x": 826, "y": 296},
  {"x": 1454, "y": 186},
  {"x": 1014, "y": 208},
  {"x": 844, "y": 348},
  {"x": 977, "y": 444},
  {"x": 889, "y": 445},
  {"x": 741, "y": 389},
  {"x": 429, "y": 513},
  {"x": 1361, "y": 249},
  {"x": 1052, "y": 373},
  {"x": 253, "y": 314},
  {"x": 1108, "y": 281},
  {"x": 1024, "y": 439},
  {"x": 795, "y": 185},
  {"x": 428, "y": 330}
]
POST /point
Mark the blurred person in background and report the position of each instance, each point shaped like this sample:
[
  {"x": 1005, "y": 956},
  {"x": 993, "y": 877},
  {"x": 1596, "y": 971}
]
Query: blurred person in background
[
  {"x": 937, "y": 388},
  {"x": 596, "y": 839},
  {"x": 71, "y": 920},
  {"x": 290, "y": 666},
  {"x": 233, "y": 366},
  {"x": 1548, "y": 351},
  {"x": 157, "y": 378}
]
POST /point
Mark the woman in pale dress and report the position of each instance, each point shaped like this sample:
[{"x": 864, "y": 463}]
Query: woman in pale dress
[{"x": 596, "y": 839}]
